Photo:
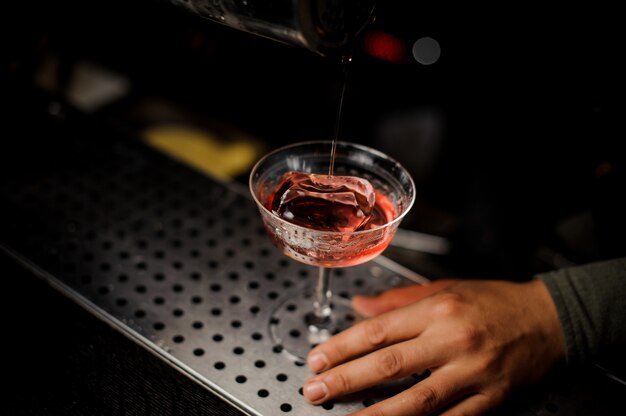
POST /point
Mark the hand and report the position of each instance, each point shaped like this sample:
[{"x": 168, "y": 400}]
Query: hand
[{"x": 479, "y": 339}]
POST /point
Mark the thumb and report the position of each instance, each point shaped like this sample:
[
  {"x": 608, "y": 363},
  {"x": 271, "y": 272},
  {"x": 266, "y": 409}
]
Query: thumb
[{"x": 369, "y": 306}]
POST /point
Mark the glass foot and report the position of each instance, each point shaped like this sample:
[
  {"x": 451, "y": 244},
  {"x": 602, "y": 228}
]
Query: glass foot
[{"x": 295, "y": 329}]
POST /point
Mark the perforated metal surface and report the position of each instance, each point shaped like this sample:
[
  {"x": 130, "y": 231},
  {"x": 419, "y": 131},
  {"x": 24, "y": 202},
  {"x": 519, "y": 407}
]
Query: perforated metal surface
[{"x": 182, "y": 263}]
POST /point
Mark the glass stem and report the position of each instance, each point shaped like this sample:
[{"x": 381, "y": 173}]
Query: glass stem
[{"x": 321, "y": 304}]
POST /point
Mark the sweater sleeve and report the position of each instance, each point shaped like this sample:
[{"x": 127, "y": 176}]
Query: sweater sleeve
[{"x": 591, "y": 305}]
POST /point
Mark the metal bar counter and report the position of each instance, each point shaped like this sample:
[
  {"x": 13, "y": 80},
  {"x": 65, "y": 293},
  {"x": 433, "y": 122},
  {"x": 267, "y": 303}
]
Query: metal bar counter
[{"x": 157, "y": 261}]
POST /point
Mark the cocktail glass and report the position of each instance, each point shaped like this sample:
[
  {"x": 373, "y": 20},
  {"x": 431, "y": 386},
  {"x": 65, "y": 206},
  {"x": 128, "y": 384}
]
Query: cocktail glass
[{"x": 296, "y": 333}]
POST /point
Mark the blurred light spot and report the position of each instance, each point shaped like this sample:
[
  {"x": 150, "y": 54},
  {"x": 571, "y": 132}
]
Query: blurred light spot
[
  {"x": 196, "y": 40},
  {"x": 386, "y": 47},
  {"x": 205, "y": 150},
  {"x": 603, "y": 168},
  {"x": 426, "y": 51}
]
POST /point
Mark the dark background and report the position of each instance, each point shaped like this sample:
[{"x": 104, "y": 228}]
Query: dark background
[{"x": 514, "y": 136}]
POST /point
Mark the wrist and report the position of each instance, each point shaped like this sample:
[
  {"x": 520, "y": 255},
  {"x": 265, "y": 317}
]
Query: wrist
[{"x": 547, "y": 320}]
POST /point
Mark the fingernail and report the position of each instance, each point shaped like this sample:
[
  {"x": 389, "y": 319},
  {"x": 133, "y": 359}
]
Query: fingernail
[
  {"x": 315, "y": 391},
  {"x": 317, "y": 362}
]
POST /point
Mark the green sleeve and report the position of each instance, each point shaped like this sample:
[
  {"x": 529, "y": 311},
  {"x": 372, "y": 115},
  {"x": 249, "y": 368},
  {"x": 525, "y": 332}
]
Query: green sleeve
[{"x": 591, "y": 305}]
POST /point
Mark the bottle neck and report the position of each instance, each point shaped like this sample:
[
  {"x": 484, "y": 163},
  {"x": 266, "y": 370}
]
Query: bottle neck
[{"x": 325, "y": 27}]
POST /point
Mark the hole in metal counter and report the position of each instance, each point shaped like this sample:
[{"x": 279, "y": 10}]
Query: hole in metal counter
[{"x": 180, "y": 260}]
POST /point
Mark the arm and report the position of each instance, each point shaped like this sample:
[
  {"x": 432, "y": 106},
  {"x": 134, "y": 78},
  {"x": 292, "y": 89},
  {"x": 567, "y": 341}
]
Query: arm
[{"x": 591, "y": 305}]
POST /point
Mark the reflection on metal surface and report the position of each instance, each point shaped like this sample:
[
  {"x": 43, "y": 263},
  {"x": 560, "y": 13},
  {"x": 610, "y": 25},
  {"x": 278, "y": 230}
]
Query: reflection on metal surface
[{"x": 416, "y": 241}]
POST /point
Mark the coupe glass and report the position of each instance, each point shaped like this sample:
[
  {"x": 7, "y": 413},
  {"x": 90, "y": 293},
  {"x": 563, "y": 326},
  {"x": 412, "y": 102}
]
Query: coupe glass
[{"x": 294, "y": 329}]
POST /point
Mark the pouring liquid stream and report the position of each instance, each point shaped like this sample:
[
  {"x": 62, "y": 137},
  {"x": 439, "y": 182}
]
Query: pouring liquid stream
[
  {"x": 327, "y": 202},
  {"x": 344, "y": 61}
]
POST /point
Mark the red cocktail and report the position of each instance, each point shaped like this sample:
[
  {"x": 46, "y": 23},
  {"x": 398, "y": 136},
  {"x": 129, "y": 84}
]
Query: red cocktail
[{"x": 329, "y": 221}]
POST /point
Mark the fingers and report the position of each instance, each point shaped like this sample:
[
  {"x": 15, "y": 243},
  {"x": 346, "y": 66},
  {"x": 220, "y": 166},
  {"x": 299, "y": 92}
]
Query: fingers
[
  {"x": 369, "y": 335},
  {"x": 396, "y": 361},
  {"x": 476, "y": 404},
  {"x": 396, "y": 298},
  {"x": 443, "y": 387}
]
